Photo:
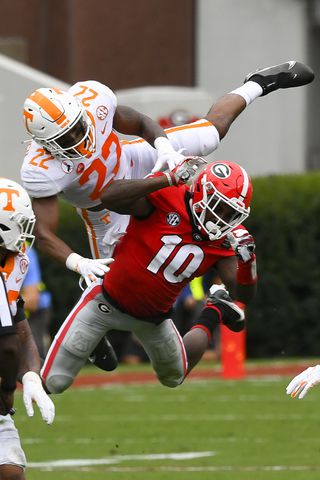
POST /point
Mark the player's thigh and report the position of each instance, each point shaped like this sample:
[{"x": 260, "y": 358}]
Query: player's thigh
[
  {"x": 76, "y": 339},
  {"x": 197, "y": 138},
  {"x": 165, "y": 349}
]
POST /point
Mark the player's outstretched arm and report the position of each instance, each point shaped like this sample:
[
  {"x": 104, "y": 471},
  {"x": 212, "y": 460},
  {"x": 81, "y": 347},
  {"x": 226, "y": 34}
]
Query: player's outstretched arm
[
  {"x": 129, "y": 196},
  {"x": 47, "y": 214}
]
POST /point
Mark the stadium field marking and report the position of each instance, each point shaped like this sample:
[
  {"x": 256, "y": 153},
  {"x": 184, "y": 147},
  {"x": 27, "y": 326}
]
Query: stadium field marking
[
  {"x": 82, "y": 462},
  {"x": 223, "y": 417}
]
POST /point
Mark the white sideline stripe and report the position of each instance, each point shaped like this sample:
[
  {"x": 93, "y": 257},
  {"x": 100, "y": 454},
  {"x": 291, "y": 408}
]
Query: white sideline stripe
[
  {"x": 225, "y": 417},
  {"x": 173, "y": 468},
  {"x": 81, "y": 462}
]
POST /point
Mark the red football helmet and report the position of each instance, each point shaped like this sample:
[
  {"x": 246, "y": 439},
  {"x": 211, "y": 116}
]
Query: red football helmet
[{"x": 221, "y": 198}]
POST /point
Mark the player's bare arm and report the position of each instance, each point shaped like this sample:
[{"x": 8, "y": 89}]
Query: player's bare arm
[
  {"x": 129, "y": 196},
  {"x": 30, "y": 360},
  {"x": 227, "y": 269},
  {"x": 47, "y": 214},
  {"x": 9, "y": 364},
  {"x": 131, "y": 122}
]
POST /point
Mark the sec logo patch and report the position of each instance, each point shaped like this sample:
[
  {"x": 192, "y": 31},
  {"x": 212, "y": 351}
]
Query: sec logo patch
[{"x": 173, "y": 219}]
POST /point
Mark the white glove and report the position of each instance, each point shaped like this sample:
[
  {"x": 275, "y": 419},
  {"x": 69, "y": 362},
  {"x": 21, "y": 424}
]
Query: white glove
[
  {"x": 167, "y": 156},
  {"x": 88, "y": 268},
  {"x": 242, "y": 244},
  {"x": 302, "y": 383},
  {"x": 33, "y": 392}
]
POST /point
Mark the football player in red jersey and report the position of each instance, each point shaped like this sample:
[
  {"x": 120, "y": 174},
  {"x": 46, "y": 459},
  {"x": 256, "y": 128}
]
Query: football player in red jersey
[{"x": 175, "y": 233}]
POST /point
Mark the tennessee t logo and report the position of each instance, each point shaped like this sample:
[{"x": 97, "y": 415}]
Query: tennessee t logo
[{"x": 9, "y": 192}]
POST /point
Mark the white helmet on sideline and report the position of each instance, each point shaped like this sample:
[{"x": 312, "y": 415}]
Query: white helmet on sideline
[
  {"x": 17, "y": 219},
  {"x": 57, "y": 120}
]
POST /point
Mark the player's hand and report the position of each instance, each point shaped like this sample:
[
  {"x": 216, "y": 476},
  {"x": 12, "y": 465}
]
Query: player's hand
[
  {"x": 187, "y": 169},
  {"x": 243, "y": 245},
  {"x": 167, "y": 155},
  {"x": 301, "y": 384},
  {"x": 33, "y": 391},
  {"x": 88, "y": 268}
]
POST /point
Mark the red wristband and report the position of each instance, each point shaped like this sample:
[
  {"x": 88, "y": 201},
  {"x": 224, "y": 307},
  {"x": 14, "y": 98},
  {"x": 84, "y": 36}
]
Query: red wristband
[{"x": 247, "y": 272}]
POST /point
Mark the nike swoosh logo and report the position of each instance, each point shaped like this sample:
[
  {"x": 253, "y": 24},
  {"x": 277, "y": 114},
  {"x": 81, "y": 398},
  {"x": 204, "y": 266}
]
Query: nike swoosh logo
[
  {"x": 104, "y": 128},
  {"x": 292, "y": 64},
  {"x": 18, "y": 280}
]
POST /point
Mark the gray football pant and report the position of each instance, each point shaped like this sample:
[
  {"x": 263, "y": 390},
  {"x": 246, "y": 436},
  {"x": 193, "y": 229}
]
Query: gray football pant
[{"x": 89, "y": 321}]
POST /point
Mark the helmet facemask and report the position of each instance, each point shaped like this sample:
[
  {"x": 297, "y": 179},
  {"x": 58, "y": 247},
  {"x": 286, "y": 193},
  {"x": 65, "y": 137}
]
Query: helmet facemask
[
  {"x": 75, "y": 143},
  {"x": 209, "y": 210},
  {"x": 16, "y": 232}
]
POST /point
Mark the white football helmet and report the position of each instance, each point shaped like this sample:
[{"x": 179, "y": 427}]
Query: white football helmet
[
  {"x": 17, "y": 219},
  {"x": 57, "y": 120}
]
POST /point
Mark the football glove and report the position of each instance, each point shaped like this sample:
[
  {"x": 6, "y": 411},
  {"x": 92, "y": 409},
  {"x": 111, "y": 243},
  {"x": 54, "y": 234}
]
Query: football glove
[
  {"x": 186, "y": 170},
  {"x": 33, "y": 391},
  {"x": 243, "y": 246},
  {"x": 167, "y": 155},
  {"x": 301, "y": 384},
  {"x": 88, "y": 268}
]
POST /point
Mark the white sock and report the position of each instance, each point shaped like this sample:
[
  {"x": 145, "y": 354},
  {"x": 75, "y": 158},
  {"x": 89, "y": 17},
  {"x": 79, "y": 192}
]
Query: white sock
[{"x": 249, "y": 91}]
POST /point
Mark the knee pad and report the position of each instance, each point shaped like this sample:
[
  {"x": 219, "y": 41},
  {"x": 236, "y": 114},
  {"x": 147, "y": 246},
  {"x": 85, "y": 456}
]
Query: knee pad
[
  {"x": 58, "y": 382},
  {"x": 171, "y": 378}
]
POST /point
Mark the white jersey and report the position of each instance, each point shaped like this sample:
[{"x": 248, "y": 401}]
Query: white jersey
[
  {"x": 80, "y": 182},
  {"x": 14, "y": 271}
]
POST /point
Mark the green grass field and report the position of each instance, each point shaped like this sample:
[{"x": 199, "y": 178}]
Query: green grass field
[{"x": 217, "y": 430}]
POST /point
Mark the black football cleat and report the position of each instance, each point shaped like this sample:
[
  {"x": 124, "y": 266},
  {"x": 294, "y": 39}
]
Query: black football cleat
[
  {"x": 232, "y": 315},
  {"x": 103, "y": 356},
  {"x": 285, "y": 75}
]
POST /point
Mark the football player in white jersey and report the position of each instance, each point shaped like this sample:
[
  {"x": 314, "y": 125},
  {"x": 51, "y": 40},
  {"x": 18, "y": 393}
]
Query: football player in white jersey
[
  {"x": 19, "y": 358},
  {"x": 75, "y": 153}
]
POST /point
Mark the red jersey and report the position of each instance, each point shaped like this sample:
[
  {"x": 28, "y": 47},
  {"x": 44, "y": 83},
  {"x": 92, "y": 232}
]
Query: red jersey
[{"x": 159, "y": 255}]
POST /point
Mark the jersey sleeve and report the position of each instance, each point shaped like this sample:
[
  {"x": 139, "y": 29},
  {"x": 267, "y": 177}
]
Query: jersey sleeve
[
  {"x": 7, "y": 323},
  {"x": 35, "y": 178}
]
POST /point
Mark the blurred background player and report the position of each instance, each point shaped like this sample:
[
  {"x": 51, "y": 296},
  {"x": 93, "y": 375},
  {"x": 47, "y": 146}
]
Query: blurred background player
[
  {"x": 19, "y": 359},
  {"x": 37, "y": 303}
]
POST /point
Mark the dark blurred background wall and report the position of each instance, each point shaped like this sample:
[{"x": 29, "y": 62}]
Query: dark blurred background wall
[{"x": 122, "y": 43}]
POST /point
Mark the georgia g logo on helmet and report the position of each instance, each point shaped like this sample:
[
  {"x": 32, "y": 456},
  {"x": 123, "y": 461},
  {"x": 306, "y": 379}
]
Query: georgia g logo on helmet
[{"x": 221, "y": 170}]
